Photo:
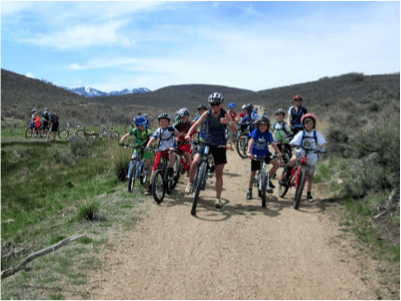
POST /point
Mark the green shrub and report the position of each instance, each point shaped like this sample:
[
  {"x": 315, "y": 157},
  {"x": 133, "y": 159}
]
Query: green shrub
[
  {"x": 61, "y": 156},
  {"x": 82, "y": 147},
  {"x": 88, "y": 211}
]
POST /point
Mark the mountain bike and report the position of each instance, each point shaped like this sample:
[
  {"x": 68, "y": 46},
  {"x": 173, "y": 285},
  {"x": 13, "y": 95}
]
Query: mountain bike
[
  {"x": 82, "y": 133},
  {"x": 138, "y": 169},
  {"x": 178, "y": 167},
  {"x": 161, "y": 183},
  {"x": 285, "y": 149},
  {"x": 62, "y": 133},
  {"x": 29, "y": 130},
  {"x": 297, "y": 178},
  {"x": 202, "y": 173},
  {"x": 263, "y": 179},
  {"x": 241, "y": 143},
  {"x": 113, "y": 135}
]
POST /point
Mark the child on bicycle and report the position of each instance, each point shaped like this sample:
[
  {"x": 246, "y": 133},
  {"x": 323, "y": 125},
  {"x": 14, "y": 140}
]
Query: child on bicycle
[
  {"x": 35, "y": 124},
  {"x": 142, "y": 136},
  {"x": 167, "y": 134},
  {"x": 261, "y": 137},
  {"x": 182, "y": 126},
  {"x": 310, "y": 139},
  {"x": 249, "y": 119},
  {"x": 281, "y": 130}
]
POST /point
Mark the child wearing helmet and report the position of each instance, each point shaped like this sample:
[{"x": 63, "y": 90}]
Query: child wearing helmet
[
  {"x": 166, "y": 133},
  {"x": 249, "y": 119},
  {"x": 260, "y": 138},
  {"x": 311, "y": 139},
  {"x": 202, "y": 128},
  {"x": 182, "y": 126},
  {"x": 281, "y": 130},
  {"x": 142, "y": 136}
]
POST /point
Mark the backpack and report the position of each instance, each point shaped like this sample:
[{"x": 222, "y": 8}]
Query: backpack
[
  {"x": 137, "y": 134},
  {"x": 283, "y": 127},
  {"x": 303, "y": 136},
  {"x": 170, "y": 128}
]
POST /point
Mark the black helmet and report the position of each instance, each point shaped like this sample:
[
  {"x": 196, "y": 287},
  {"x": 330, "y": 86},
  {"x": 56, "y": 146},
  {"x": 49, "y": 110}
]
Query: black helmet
[
  {"x": 183, "y": 112},
  {"x": 202, "y": 107},
  {"x": 248, "y": 107},
  {"x": 263, "y": 120},
  {"x": 216, "y": 97},
  {"x": 280, "y": 111},
  {"x": 164, "y": 116}
]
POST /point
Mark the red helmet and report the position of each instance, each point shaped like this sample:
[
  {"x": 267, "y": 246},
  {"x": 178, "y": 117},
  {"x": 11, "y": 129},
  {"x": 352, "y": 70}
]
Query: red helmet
[
  {"x": 139, "y": 113},
  {"x": 297, "y": 97},
  {"x": 309, "y": 115}
]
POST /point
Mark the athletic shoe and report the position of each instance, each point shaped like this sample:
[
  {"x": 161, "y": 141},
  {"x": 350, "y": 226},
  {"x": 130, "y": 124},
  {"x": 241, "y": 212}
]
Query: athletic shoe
[
  {"x": 189, "y": 189},
  {"x": 218, "y": 203},
  {"x": 249, "y": 195}
]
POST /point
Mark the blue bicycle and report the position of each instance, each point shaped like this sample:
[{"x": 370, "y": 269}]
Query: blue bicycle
[{"x": 137, "y": 169}]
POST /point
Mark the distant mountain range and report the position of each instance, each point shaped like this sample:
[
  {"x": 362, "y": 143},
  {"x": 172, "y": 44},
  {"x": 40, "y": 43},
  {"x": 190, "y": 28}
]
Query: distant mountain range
[{"x": 92, "y": 92}]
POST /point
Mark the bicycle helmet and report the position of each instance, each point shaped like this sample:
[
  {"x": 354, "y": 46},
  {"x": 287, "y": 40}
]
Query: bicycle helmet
[
  {"x": 45, "y": 113},
  {"x": 33, "y": 111},
  {"x": 309, "y": 115},
  {"x": 139, "y": 113},
  {"x": 231, "y": 105},
  {"x": 183, "y": 112},
  {"x": 46, "y": 109},
  {"x": 280, "y": 111},
  {"x": 140, "y": 120},
  {"x": 164, "y": 116},
  {"x": 297, "y": 97},
  {"x": 216, "y": 97},
  {"x": 202, "y": 107},
  {"x": 248, "y": 107},
  {"x": 263, "y": 120}
]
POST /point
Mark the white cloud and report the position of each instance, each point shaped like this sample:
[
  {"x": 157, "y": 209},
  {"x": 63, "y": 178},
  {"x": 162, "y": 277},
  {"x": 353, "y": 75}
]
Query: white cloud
[{"x": 30, "y": 75}]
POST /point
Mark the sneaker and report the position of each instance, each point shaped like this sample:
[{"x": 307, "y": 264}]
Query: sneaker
[
  {"x": 212, "y": 168},
  {"x": 218, "y": 203},
  {"x": 309, "y": 196},
  {"x": 271, "y": 185},
  {"x": 148, "y": 191},
  {"x": 189, "y": 189},
  {"x": 249, "y": 195}
]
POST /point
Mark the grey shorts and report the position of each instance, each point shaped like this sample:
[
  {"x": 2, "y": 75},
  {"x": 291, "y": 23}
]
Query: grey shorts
[{"x": 311, "y": 163}]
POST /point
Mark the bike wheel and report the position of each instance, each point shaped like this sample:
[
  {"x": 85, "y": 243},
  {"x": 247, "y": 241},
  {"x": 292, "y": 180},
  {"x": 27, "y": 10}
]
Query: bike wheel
[
  {"x": 282, "y": 189},
  {"x": 177, "y": 172},
  {"x": 63, "y": 134},
  {"x": 144, "y": 175},
  {"x": 299, "y": 188},
  {"x": 263, "y": 183},
  {"x": 80, "y": 134},
  {"x": 158, "y": 187},
  {"x": 131, "y": 178},
  {"x": 28, "y": 133},
  {"x": 201, "y": 177},
  {"x": 239, "y": 145}
]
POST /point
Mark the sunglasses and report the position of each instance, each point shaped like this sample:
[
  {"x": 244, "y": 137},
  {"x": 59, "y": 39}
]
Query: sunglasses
[
  {"x": 297, "y": 99},
  {"x": 215, "y": 104}
]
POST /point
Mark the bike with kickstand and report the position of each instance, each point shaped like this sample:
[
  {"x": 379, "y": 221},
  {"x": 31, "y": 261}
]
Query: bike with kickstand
[{"x": 298, "y": 177}]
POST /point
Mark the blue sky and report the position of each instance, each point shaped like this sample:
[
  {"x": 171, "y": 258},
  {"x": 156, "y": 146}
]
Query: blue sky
[{"x": 250, "y": 45}]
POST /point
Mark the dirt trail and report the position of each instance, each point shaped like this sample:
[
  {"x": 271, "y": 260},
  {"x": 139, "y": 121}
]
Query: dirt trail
[{"x": 242, "y": 251}]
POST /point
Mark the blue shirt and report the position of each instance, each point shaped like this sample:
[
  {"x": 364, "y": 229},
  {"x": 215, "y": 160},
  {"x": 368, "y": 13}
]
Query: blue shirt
[
  {"x": 260, "y": 146},
  {"x": 202, "y": 127}
]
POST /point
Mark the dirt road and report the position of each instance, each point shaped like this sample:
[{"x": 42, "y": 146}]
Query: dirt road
[{"x": 242, "y": 251}]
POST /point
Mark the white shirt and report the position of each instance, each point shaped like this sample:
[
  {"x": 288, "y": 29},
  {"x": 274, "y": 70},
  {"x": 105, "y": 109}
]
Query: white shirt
[{"x": 309, "y": 143}]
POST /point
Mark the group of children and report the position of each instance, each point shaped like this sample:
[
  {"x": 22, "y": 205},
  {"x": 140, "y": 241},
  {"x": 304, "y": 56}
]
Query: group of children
[
  {"x": 50, "y": 121},
  {"x": 261, "y": 135}
]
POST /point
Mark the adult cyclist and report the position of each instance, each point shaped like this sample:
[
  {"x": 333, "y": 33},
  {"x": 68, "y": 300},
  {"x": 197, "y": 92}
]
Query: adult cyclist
[
  {"x": 217, "y": 119},
  {"x": 295, "y": 114}
]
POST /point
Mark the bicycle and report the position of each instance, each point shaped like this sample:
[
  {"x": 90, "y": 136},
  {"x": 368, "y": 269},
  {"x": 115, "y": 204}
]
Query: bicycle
[
  {"x": 201, "y": 175},
  {"x": 110, "y": 134},
  {"x": 297, "y": 178},
  {"x": 29, "y": 130},
  {"x": 263, "y": 179},
  {"x": 62, "y": 133},
  {"x": 241, "y": 143},
  {"x": 82, "y": 133},
  {"x": 138, "y": 169},
  {"x": 160, "y": 182}
]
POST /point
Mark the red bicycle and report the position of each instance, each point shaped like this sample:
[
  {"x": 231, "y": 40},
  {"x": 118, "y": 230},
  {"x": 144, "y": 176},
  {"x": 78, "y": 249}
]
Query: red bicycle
[{"x": 297, "y": 178}]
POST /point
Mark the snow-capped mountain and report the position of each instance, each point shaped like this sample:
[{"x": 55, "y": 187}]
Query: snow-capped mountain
[{"x": 91, "y": 92}]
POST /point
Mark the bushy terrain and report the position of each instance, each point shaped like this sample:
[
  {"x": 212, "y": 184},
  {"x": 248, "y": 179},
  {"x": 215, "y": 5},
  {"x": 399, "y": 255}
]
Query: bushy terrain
[{"x": 358, "y": 115}]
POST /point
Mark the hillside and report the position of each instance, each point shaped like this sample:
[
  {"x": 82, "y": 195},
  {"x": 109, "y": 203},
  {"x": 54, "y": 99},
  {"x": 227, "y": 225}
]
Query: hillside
[{"x": 347, "y": 94}]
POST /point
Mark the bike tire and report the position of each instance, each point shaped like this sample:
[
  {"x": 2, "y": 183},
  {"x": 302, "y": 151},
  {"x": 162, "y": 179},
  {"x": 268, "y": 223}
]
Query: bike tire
[
  {"x": 263, "y": 190},
  {"x": 144, "y": 175},
  {"x": 80, "y": 134},
  {"x": 28, "y": 133},
  {"x": 299, "y": 188},
  {"x": 131, "y": 178},
  {"x": 177, "y": 171},
  {"x": 201, "y": 174},
  {"x": 158, "y": 186},
  {"x": 63, "y": 134},
  {"x": 239, "y": 145}
]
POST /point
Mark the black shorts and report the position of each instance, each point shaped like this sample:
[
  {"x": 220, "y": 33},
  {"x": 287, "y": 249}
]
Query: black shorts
[
  {"x": 53, "y": 128},
  {"x": 256, "y": 165},
  {"x": 219, "y": 154}
]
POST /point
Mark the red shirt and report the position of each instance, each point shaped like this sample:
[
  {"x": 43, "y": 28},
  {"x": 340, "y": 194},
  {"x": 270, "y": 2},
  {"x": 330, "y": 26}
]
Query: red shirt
[
  {"x": 233, "y": 115},
  {"x": 242, "y": 114}
]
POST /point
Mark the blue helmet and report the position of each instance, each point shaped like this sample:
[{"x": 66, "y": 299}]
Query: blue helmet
[
  {"x": 231, "y": 105},
  {"x": 140, "y": 120}
]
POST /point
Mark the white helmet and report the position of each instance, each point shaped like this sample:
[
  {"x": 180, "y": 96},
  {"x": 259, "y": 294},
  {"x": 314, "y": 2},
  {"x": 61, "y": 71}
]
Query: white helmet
[{"x": 216, "y": 97}]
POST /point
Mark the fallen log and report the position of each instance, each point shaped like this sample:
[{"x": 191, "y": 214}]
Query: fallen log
[{"x": 21, "y": 266}]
